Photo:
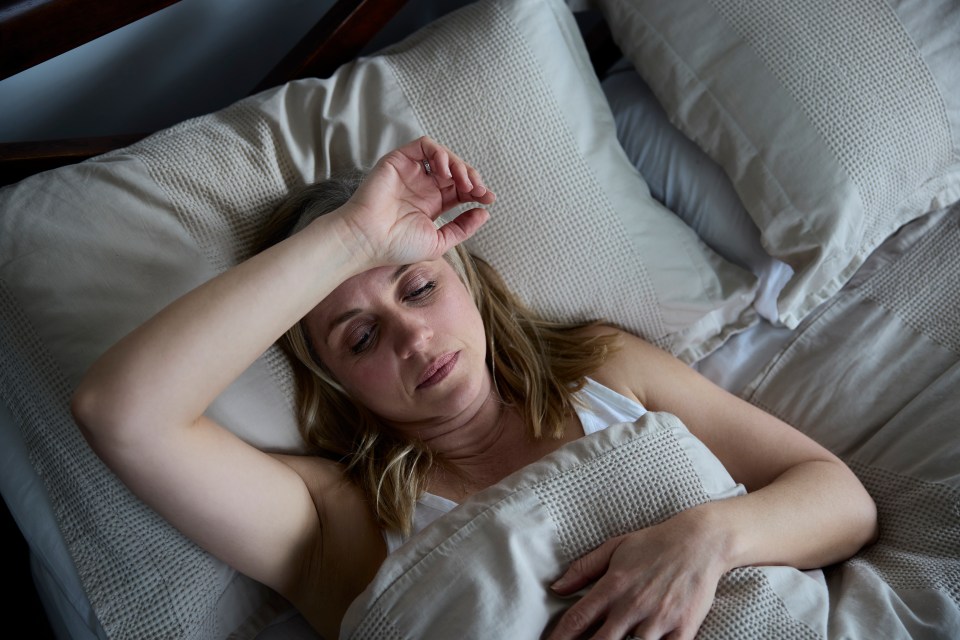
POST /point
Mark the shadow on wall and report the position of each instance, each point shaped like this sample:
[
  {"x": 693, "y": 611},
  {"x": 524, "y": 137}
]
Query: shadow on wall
[{"x": 189, "y": 59}]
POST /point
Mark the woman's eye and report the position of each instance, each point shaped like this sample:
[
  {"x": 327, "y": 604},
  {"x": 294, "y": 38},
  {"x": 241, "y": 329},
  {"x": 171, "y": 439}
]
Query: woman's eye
[
  {"x": 421, "y": 291},
  {"x": 360, "y": 340}
]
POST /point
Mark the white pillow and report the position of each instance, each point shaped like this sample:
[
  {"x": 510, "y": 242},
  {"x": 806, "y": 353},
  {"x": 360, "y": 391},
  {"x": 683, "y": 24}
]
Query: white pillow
[
  {"x": 837, "y": 122},
  {"x": 689, "y": 183},
  {"x": 87, "y": 252}
]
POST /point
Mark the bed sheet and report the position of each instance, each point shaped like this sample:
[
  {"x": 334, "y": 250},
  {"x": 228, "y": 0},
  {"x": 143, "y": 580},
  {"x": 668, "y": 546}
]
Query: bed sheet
[{"x": 874, "y": 376}]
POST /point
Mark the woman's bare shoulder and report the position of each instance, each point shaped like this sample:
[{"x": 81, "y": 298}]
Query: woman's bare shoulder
[
  {"x": 631, "y": 363},
  {"x": 610, "y": 372}
]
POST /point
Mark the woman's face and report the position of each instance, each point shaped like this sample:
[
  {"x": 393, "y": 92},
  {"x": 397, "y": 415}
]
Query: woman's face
[{"x": 406, "y": 342}]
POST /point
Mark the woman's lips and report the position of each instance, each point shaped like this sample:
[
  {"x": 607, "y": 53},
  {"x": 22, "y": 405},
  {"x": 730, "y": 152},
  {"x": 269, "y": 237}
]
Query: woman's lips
[{"x": 438, "y": 369}]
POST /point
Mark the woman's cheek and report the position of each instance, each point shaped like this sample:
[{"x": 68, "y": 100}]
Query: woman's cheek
[{"x": 374, "y": 380}]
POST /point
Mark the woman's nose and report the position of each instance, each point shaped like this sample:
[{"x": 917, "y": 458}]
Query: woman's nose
[{"x": 413, "y": 335}]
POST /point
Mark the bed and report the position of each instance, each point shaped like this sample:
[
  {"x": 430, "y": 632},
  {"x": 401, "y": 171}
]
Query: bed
[{"x": 770, "y": 191}]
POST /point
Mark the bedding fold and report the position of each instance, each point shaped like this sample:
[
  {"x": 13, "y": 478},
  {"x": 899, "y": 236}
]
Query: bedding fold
[
  {"x": 483, "y": 570},
  {"x": 885, "y": 398}
]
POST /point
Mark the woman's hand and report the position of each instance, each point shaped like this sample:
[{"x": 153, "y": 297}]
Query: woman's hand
[
  {"x": 391, "y": 216},
  {"x": 654, "y": 583}
]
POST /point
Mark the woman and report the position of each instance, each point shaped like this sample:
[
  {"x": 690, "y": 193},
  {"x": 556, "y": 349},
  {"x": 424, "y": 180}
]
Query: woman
[{"x": 395, "y": 328}]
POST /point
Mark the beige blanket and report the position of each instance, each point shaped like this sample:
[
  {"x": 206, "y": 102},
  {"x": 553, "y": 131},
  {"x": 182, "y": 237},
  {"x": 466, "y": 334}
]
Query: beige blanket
[
  {"x": 483, "y": 570},
  {"x": 875, "y": 377}
]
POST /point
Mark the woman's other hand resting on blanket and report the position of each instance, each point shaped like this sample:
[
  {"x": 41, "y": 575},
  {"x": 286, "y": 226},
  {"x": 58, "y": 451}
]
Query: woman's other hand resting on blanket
[
  {"x": 664, "y": 576},
  {"x": 804, "y": 508},
  {"x": 418, "y": 371}
]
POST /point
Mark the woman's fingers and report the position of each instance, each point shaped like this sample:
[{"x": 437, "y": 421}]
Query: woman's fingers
[
  {"x": 653, "y": 583},
  {"x": 394, "y": 211},
  {"x": 586, "y": 569},
  {"x": 461, "y": 177},
  {"x": 441, "y": 163},
  {"x": 461, "y": 228},
  {"x": 580, "y": 618},
  {"x": 445, "y": 164},
  {"x": 441, "y": 160},
  {"x": 614, "y": 609},
  {"x": 604, "y": 614},
  {"x": 593, "y": 606},
  {"x": 480, "y": 193}
]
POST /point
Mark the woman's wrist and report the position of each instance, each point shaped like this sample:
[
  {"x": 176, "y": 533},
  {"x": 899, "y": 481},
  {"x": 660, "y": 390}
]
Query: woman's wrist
[
  {"x": 339, "y": 243},
  {"x": 716, "y": 533}
]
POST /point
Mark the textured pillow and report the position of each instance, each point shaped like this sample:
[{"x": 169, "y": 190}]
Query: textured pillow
[
  {"x": 837, "y": 122},
  {"x": 689, "y": 183},
  {"x": 88, "y": 252},
  {"x": 575, "y": 230}
]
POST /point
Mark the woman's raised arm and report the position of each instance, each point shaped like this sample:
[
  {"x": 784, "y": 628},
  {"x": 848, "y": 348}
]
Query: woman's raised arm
[{"x": 141, "y": 404}]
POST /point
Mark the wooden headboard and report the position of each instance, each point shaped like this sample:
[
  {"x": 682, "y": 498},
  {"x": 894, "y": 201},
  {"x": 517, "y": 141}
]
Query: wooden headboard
[{"x": 338, "y": 37}]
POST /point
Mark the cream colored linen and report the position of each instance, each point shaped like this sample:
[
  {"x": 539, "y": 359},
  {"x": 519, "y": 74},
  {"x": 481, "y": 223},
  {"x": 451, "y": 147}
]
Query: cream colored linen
[
  {"x": 874, "y": 376},
  {"x": 483, "y": 570},
  {"x": 836, "y": 122}
]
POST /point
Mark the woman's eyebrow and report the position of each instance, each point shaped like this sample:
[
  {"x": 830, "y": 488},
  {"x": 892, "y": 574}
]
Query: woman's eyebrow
[
  {"x": 340, "y": 319},
  {"x": 346, "y": 315},
  {"x": 399, "y": 272}
]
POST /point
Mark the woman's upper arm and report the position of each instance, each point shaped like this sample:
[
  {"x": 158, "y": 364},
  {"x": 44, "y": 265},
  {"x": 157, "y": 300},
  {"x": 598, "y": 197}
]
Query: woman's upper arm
[
  {"x": 242, "y": 505},
  {"x": 754, "y": 446}
]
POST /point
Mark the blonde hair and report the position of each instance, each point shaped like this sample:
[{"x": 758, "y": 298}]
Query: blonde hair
[{"x": 537, "y": 366}]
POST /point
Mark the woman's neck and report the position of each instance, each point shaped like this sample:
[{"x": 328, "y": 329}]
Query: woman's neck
[
  {"x": 477, "y": 436},
  {"x": 480, "y": 451}
]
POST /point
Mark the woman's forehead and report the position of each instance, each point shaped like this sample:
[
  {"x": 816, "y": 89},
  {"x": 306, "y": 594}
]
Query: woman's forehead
[
  {"x": 357, "y": 289},
  {"x": 361, "y": 289}
]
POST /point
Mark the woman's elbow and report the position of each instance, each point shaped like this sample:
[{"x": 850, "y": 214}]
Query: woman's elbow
[
  {"x": 862, "y": 513},
  {"x": 870, "y": 520},
  {"x": 98, "y": 413}
]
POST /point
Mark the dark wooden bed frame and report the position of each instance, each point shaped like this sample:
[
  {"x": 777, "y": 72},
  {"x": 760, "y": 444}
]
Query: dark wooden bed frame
[
  {"x": 338, "y": 37},
  {"x": 66, "y": 24}
]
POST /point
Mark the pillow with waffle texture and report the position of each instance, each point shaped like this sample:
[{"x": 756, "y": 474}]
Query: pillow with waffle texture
[
  {"x": 836, "y": 122},
  {"x": 689, "y": 183}
]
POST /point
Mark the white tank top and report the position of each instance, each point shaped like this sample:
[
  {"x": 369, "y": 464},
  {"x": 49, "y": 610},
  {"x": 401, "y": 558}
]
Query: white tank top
[{"x": 598, "y": 408}]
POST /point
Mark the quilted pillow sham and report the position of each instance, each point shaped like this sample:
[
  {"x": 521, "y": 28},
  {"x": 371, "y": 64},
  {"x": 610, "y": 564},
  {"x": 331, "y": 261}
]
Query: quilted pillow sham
[
  {"x": 836, "y": 122},
  {"x": 689, "y": 183}
]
